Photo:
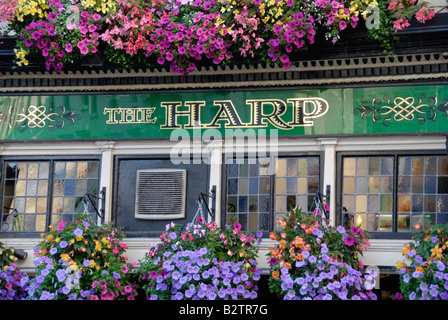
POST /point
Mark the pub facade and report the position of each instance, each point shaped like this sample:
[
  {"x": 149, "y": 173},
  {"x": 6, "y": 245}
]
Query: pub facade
[{"x": 144, "y": 147}]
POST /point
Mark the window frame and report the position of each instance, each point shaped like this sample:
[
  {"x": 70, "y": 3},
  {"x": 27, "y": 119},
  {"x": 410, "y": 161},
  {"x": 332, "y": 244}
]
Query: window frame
[
  {"x": 340, "y": 155},
  {"x": 117, "y": 158},
  {"x": 51, "y": 159},
  {"x": 295, "y": 154}
]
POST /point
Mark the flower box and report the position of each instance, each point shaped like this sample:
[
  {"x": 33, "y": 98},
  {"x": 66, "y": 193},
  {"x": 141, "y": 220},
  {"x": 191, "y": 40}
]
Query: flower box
[
  {"x": 201, "y": 262},
  {"x": 184, "y": 34}
]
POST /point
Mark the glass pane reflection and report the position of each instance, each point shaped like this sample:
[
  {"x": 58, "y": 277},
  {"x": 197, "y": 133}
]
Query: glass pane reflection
[
  {"x": 26, "y": 192},
  {"x": 293, "y": 180},
  {"x": 367, "y": 188}
]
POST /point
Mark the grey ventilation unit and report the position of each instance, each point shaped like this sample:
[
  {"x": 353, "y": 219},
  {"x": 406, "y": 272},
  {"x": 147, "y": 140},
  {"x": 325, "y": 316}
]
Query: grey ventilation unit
[{"x": 160, "y": 194}]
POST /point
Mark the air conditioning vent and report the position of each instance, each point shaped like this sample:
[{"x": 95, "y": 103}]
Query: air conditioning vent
[{"x": 160, "y": 194}]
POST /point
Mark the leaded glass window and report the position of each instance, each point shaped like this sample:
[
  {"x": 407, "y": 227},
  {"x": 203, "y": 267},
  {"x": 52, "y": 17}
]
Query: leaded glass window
[
  {"x": 394, "y": 193},
  {"x": 259, "y": 191},
  {"x": 71, "y": 181},
  {"x": 248, "y": 193},
  {"x": 367, "y": 191},
  {"x": 25, "y": 196},
  {"x": 296, "y": 184},
  {"x": 39, "y": 193},
  {"x": 422, "y": 191}
]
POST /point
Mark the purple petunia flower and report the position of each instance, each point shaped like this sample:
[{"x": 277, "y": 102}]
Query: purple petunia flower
[
  {"x": 78, "y": 232},
  {"x": 173, "y": 235},
  {"x": 60, "y": 274}
]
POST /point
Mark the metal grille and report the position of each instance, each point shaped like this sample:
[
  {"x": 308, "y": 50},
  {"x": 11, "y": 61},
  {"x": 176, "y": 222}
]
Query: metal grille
[{"x": 160, "y": 194}]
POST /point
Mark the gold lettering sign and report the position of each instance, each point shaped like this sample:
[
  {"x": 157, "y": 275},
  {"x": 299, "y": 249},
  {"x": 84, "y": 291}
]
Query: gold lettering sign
[
  {"x": 263, "y": 112},
  {"x": 129, "y": 115}
]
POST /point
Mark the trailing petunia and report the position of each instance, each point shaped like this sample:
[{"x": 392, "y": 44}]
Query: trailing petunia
[
  {"x": 58, "y": 33},
  {"x": 314, "y": 260},
  {"x": 82, "y": 261},
  {"x": 13, "y": 282},
  {"x": 424, "y": 273},
  {"x": 201, "y": 261},
  {"x": 183, "y": 34}
]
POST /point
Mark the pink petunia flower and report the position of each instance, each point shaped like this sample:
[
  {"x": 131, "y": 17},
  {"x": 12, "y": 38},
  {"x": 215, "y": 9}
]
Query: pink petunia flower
[{"x": 96, "y": 16}]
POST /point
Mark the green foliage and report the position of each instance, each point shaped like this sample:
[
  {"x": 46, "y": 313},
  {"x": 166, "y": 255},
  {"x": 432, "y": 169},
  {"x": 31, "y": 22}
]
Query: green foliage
[
  {"x": 313, "y": 260},
  {"x": 426, "y": 274},
  {"x": 81, "y": 260},
  {"x": 180, "y": 266},
  {"x": 6, "y": 256}
]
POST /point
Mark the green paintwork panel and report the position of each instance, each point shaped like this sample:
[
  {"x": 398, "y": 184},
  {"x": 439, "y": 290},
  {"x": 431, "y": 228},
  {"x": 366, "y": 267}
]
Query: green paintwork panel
[{"x": 325, "y": 112}]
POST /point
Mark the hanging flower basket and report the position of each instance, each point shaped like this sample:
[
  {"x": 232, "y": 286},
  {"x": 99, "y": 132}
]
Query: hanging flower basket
[
  {"x": 424, "y": 274},
  {"x": 183, "y": 34},
  {"x": 13, "y": 282},
  {"x": 81, "y": 261},
  {"x": 201, "y": 262},
  {"x": 316, "y": 261}
]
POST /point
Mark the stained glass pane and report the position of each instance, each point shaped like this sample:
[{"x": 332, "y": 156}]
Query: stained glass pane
[
  {"x": 349, "y": 166},
  {"x": 422, "y": 183},
  {"x": 93, "y": 169},
  {"x": 296, "y": 184},
  {"x": 367, "y": 189},
  {"x": 443, "y": 166},
  {"x": 74, "y": 179},
  {"x": 248, "y": 189},
  {"x": 249, "y": 193},
  {"x": 25, "y": 194}
]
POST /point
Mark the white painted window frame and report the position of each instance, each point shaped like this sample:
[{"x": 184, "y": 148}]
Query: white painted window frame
[{"x": 382, "y": 252}]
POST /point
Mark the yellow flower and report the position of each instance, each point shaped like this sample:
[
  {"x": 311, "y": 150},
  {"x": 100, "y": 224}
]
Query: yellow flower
[
  {"x": 419, "y": 268},
  {"x": 400, "y": 265},
  {"x": 74, "y": 266},
  {"x": 405, "y": 249},
  {"x": 436, "y": 253},
  {"x": 65, "y": 257}
]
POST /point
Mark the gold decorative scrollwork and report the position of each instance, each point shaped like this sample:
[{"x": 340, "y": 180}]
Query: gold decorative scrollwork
[
  {"x": 41, "y": 117},
  {"x": 37, "y": 117},
  {"x": 404, "y": 109}
]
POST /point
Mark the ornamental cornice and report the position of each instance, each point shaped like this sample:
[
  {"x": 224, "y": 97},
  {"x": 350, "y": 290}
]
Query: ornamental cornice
[{"x": 328, "y": 72}]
